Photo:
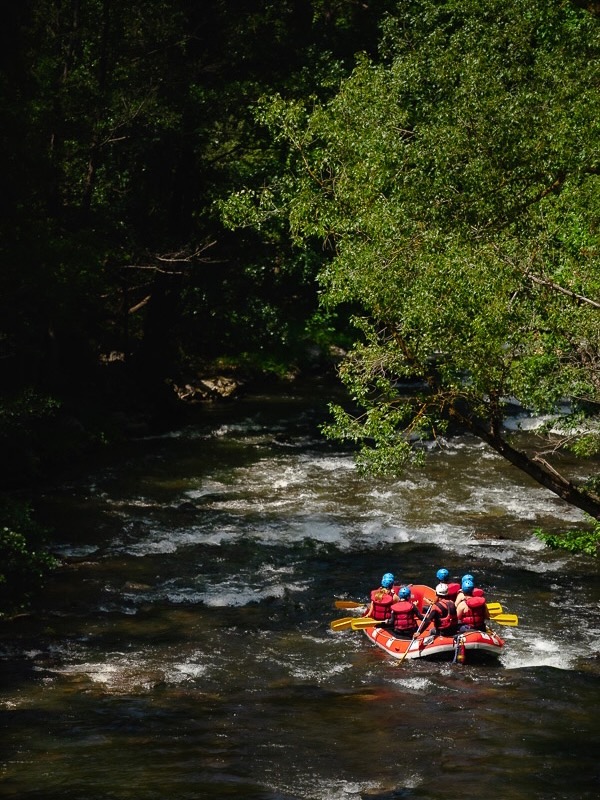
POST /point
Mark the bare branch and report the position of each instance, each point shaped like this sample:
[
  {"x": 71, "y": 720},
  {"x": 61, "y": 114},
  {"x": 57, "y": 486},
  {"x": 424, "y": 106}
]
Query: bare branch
[
  {"x": 557, "y": 288},
  {"x": 139, "y": 305}
]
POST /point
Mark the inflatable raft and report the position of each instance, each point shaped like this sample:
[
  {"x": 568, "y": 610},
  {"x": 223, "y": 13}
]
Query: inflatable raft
[{"x": 457, "y": 648}]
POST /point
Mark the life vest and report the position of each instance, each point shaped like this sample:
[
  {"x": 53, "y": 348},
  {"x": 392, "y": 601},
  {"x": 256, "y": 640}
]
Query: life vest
[
  {"x": 453, "y": 590},
  {"x": 405, "y": 616},
  {"x": 474, "y": 616},
  {"x": 448, "y": 618},
  {"x": 382, "y": 608}
]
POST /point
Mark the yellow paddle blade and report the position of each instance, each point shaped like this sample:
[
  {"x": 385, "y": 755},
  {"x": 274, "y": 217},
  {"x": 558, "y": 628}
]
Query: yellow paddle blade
[
  {"x": 495, "y": 608},
  {"x": 364, "y": 622},
  {"x": 347, "y": 604},
  {"x": 506, "y": 619},
  {"x": 341, "y": 624}
]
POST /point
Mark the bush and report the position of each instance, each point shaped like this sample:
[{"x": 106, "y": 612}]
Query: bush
[
  {"x": 575, "y": 541},
  {"x": 23, "y": 562}
]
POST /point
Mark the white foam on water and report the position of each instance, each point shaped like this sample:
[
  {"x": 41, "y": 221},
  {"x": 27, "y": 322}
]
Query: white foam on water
[
  {"x": 304, "y": 673},
  {"x": 134, "y": 672},
  {"x": 417, "y": 685},
  {"x": 539, "y": 652},
  {"x": 323, "y": 788},
  {"x": 74, "y": 550},
  {"x": 156, "y": 540},
  {"x": 209, "y": 487},
  {"x": 236, "y": 590}
]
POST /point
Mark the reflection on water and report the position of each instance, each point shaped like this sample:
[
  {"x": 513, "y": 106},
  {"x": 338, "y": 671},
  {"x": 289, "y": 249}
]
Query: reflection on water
[{"x": 184, "y": 650}]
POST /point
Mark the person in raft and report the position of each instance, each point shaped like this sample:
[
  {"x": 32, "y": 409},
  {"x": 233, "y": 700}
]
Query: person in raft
[
  {"x": 442, "y": 576},
  {"x": 382, "y": 600},
  {"x": 405, "y": 615},
  {"x": 472, "y": 611},
  {"x": 460, "y": 594},
  {"x": 442, "y": 613}
]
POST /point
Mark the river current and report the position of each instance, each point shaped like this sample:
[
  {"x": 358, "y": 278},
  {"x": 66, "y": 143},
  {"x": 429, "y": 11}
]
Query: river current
[{"x": 183, "y": 650}]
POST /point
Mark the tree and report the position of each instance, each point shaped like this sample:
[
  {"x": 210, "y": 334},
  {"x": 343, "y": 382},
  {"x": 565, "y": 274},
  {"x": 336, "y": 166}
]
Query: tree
[
  {"x": 123, "y": 124},
  {"x": 454, "y": 184}
]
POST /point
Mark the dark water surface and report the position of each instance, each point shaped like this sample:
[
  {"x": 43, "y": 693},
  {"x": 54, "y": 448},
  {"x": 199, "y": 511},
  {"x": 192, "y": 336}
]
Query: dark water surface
[{"x": 184, "y": 649}]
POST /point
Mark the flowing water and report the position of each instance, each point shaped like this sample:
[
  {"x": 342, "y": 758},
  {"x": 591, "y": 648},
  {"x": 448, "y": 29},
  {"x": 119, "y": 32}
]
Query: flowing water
[{"x": 184, "y": 649}]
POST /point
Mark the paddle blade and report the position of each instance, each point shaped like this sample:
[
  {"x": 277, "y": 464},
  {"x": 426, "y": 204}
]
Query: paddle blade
[
  {"x": 363, "y": 622},
  {"x": 506, "y": 619},
  {"x": 495, "y": 608},
  {"x": 341, "y": 624},
  {"x": 347, "y": 604}
]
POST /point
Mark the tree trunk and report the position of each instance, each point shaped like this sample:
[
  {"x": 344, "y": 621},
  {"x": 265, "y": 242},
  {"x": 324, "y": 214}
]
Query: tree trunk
[{"x": 539, "y": 470}]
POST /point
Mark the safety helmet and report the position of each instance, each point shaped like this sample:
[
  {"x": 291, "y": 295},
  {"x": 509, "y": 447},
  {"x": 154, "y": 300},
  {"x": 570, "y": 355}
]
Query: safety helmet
[
  {"x": 387, "y": 581},
  {"x": 467, "y": 585},
  {"x": 441, "y": 589},
  {"x": 442, "y": 575},
  {"x": 404, "y": 593},
  {"x": 468, "y": 577}
]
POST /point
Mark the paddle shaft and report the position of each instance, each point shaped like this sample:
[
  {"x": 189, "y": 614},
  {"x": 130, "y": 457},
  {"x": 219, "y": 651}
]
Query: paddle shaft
[
  {"x": 364, "y": 622},
  {"x": 419, "y": 629},
  {"x": 347, "y": 604}
]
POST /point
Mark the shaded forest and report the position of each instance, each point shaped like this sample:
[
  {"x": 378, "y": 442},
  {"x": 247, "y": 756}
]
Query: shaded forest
[{"x": 123, "y": 124}]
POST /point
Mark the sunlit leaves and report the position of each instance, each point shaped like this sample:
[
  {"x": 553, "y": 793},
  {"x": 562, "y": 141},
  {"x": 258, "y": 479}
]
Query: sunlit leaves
[{"x": 455, "y": 185}]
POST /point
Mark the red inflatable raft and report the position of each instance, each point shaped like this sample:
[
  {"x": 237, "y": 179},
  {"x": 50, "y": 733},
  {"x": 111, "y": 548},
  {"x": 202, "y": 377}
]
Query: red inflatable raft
[{"x": 457, "y": 647}]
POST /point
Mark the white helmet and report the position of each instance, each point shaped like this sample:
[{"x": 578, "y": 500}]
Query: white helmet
[{"x": 441, "y": 589}]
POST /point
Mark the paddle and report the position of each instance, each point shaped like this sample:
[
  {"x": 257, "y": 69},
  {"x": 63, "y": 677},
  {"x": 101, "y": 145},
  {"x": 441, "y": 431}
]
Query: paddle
[
  {"x": 419, "y": 629},
  {"x": 341, "y": 624},
  {"x": 364, "y": 622},
  {"x": 506, "y": 619},
  {"x": 347, "y": 604},
  {"x": 495, "y": 608}
]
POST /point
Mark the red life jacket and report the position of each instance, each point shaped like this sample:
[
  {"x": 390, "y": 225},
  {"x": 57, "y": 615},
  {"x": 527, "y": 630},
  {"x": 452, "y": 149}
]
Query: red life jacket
[
  {"x": 448, "y": 618},
  {"x": 382, "y": 608},
  {"x": 405, "y": 616},
  {"x": 475, "y": 613},
  {"x": 453, "y": 590}
]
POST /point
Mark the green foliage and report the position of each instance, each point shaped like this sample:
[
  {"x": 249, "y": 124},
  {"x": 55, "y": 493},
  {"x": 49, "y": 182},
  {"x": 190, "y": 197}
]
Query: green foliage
[
  {"x": 455, "y": 185},
  {"x": 124, "y": 125},
  {"x": 23, "y": 563},
  {"x": 575, "y": 541},
  {"x": 24, "y": 419}
]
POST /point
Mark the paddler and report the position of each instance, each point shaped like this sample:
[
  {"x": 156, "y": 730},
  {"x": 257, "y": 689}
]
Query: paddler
[
  {"x": 382, "y": 600},
  {"x": 442, "y": 613},
  {"x": 442, "y": 576},
  {"x": 405, "y": 615},
  {"x": 472, "y": 611}
]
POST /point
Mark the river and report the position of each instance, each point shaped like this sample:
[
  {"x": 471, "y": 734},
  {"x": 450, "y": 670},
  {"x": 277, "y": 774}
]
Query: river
[{"x": 183, "y": 649}]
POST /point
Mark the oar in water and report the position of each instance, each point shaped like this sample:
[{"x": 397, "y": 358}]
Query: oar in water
[
  {"x": 506, "y": 619},
  {"x": 341, "y": 624},
  {"x": 347, "y": 604},
  {"x": 495, "y": 608}
]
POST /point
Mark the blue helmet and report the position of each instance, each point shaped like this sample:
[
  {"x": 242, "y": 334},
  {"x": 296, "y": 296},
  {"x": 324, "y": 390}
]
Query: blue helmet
[
  {"x": 404, "y": 593},
  {"x": 442, "y": 575},
  {"x": 468, "y": 584},
  {"x": 468, "y": 577},
  {"x": 387, "y": 581}
]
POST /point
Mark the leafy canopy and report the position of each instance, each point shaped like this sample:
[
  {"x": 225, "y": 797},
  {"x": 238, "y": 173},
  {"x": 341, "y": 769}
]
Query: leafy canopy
[{"x": 455, "y": 187}]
